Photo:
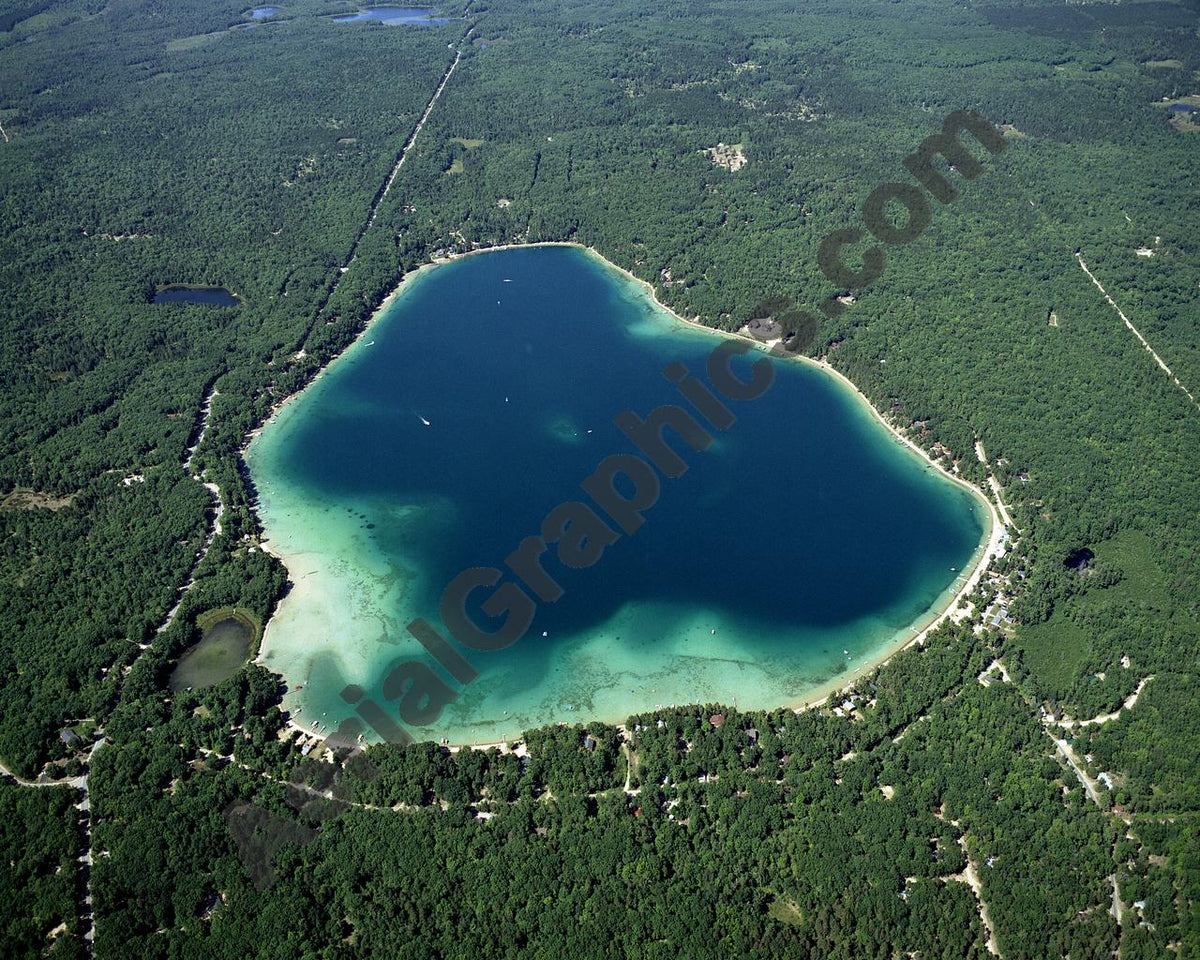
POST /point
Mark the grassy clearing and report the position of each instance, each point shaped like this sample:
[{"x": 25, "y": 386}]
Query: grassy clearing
[
  {"x": 198, "y": 40},
  {"x": 1057, "y": 651},
  {"x": 785, "y": 912},
  {"x": 1132, "y": 552},
  {"x": 469, "y": 144},
  {"x": 1053, "y": 651},
  {"x": 23, "y": 498}
]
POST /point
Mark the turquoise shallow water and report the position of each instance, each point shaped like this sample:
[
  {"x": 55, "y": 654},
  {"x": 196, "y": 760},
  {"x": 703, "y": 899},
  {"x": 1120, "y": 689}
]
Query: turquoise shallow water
[{"x": 803, "y": 540}]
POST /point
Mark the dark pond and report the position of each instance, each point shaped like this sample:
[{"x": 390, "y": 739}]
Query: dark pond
[
  {"x": 1079, "y": 559},
  {"x": 209, "y": 296}
]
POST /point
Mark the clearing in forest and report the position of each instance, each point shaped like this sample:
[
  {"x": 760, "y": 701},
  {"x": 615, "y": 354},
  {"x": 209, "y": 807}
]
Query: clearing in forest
[{"x": 731, "y": 156}]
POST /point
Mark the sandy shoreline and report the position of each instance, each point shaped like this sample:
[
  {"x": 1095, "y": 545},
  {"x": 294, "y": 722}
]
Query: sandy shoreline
[{"x": 814, "y": 696}]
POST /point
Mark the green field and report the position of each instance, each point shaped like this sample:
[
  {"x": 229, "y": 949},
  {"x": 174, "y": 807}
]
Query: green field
[{"x": 1054, "y": 652}]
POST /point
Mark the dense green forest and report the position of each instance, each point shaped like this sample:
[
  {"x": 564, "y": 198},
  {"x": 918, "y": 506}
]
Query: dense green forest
[
  {"x": 41, "y": 886},
  {"x": 146, "y": 143}
]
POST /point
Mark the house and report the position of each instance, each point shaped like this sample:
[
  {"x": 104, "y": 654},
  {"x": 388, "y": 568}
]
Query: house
[{"x": 68, "y": 737}]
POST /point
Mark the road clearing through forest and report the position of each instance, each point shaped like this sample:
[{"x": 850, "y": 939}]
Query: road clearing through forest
[
  {"x": 214, "y": 530},
  {"x": 373, "y": 212},
  {"x": 994, "y": 484},
  {"x": 970, "y": 876},
  {"x": 1137, "y": 333},
  {"x": 412, "y": 139},
  {"x": 1068, "y": 754},
  {"x": 973, "y": 881}
]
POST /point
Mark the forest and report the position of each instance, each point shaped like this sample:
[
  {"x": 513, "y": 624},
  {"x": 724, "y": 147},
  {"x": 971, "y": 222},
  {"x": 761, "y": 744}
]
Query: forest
[{"x": 147, "y": 143}]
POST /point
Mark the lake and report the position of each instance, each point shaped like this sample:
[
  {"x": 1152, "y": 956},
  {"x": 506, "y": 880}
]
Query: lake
[
  {"x": 207, "y": 296},
  {"x": 396, "y": 16},
  {"x": 261, "y": 13},
  {"x": 804, "y": 541},
  {"x": 221, "y": 652}
]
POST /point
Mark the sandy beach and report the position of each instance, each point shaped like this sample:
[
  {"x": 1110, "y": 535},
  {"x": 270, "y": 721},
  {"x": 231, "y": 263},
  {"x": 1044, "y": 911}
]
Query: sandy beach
[{"x": 813, "y": 696}]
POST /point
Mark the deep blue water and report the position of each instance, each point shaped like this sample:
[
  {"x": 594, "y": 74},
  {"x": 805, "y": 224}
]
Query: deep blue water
[
  {"x": 396, "y": 16},
  {"x": 488, "y": 393},
  {"x": 208, "y": 296}
]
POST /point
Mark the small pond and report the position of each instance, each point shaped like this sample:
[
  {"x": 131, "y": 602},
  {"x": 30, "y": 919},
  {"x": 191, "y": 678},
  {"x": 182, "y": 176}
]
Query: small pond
[
  {"x": 396, "y": 16},
  {"x": 208, "y": 296},
  {"x": 221, "y": 652},
  {"x": 261, "y": 13}
]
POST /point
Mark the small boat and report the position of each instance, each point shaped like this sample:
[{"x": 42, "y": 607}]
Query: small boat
[
  {"x": 506, "y": 280},
  {"x": 423, "y": 420}
]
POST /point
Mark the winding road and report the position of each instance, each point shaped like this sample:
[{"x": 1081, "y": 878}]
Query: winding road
[{"x": 84, "y": 806}]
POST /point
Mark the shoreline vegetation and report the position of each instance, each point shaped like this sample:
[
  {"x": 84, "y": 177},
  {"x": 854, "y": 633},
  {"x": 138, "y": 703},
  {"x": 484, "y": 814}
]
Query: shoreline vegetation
[{"x": 813, "y": 697}]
